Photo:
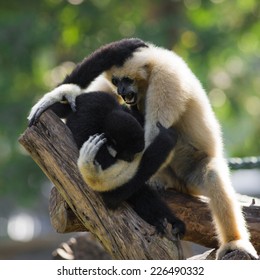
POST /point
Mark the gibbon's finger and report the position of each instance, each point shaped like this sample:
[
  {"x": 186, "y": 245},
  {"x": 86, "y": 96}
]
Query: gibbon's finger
[
  {"x": 89, "y": 150},
  {"x": 37, "y": 110},
  {"x": 92, "y": 145},
  {"x": 91, "y": 138},
  {"x": 159, "y": 125},
  {"x": 99, "y": 140},
  {"x": 67, "y": 91},
  {"x": 72, "y": 101},
  {"x": 87, "y": 153},
  {"x": 94, "y": 138}
]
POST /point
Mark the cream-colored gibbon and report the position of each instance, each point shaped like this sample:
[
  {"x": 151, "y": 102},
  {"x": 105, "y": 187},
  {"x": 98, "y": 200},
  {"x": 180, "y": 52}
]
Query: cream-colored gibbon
[
  {"x": 160, "y": 85},
  {"x": 110, "y": 139}
]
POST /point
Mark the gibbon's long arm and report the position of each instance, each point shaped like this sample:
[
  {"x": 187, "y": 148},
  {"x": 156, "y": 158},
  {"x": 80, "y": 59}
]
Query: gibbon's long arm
[
  {"x": 132, "y": 174},
  {"x": 113, "y": 54},
  {"x": 99, "y": 179},
  {"x": 152, "y": 160}
]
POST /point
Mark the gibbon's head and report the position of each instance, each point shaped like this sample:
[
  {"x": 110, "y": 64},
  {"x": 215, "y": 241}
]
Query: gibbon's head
[
  {"x": 125, "y": 134},
  {"x": 132, "y": 78}
]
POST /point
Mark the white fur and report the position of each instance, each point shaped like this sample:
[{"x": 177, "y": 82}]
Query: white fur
[
  {"x": 108, "y": 179},
  {"x": 67, "y": 91},
  {"x": 174, "y": 97},
  {"x": 242, "y": 245}
]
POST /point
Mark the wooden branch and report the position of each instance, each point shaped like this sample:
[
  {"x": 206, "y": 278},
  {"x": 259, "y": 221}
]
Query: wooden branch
[
  {"x": 74, "y": 207},
  {"x": 199, "y": 227},
  {"x": 62, "y": 217},
  {"x": 122, "y": 233}
]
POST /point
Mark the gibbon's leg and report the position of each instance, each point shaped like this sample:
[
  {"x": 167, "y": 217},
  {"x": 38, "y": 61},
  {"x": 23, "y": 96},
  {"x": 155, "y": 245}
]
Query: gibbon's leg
[
  {"x": 84, "y": 73},
  {"x": 150, "y": 207},
  {"x": 227, "y": 214}
]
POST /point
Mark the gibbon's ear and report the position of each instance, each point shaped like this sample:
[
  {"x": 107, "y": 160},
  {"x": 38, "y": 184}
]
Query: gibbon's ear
[{"x": 125, "y": 131}]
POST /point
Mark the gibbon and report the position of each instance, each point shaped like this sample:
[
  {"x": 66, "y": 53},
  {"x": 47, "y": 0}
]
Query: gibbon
[
  {"x": 109, "y": 137},
  {"x": 160, "y": 85}
]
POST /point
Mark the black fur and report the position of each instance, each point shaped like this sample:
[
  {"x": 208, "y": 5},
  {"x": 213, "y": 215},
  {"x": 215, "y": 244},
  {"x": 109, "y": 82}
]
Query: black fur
[
  {"x": 113, "y": 54},
  {"x": 144, "y": 200},
  {"x": 99, "y": 112}
]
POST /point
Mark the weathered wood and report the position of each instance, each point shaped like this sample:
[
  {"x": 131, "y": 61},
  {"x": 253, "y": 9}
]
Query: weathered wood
[
  {"x": 78, "y": 208},
  {"x": 62, "y": 217},
  {"x": 199, "y": 227},
  {"x": 196, "y": 214},
  {"x": 122, "y": 233}
]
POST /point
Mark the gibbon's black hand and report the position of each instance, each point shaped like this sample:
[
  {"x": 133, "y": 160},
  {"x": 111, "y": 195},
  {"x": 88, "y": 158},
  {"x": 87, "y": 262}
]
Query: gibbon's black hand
[{"x": 169, "y": 134}]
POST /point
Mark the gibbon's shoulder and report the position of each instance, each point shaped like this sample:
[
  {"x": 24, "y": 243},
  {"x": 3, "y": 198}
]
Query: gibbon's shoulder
[
  {"x": 96, "y": 102},
  {"x": 151, "y": 59}
]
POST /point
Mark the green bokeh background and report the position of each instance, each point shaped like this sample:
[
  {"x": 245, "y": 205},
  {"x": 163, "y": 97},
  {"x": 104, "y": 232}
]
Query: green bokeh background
[{"x": 41, "y": 40}]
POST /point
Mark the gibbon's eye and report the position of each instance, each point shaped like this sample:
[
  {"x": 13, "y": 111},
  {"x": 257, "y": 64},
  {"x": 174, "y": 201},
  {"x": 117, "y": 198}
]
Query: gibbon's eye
[
  {"x": 115, "y": 81},
  {"x": 127, "y": 80}
]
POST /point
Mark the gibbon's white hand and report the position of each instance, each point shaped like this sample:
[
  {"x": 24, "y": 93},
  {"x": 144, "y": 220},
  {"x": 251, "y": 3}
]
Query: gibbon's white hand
[
  {"x": 90, "y": 148},
  {"x": 66, "y": 92}
]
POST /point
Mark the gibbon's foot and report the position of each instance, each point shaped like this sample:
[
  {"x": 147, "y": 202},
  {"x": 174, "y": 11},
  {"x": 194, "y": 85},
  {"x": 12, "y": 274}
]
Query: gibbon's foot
[
  {"x": 90, "y": 148},
  {"x": 65, "y": 92},
  {"x": 240, "y": 245},
  {"x": 177, "y": 227}
]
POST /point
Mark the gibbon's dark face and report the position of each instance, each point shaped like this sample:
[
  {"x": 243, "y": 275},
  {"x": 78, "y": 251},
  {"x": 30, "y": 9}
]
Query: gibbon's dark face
[{"x": 126, "y": 88}]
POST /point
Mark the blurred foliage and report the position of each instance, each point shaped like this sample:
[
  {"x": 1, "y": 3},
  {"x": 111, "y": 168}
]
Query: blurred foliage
[{"x": 41, "y": 40}]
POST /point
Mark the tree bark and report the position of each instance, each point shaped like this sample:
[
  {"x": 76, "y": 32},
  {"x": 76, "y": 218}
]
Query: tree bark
[
  {"x": 75, "y": 207},
  {"x": 200, "y": 229}
]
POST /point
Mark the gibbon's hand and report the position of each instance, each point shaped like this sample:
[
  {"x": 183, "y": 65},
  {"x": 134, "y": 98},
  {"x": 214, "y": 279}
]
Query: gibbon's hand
[
  {"x": 169, "y": 134},
  {"x": 64, "y": 92},
  {"x": 90, "y": 148}
]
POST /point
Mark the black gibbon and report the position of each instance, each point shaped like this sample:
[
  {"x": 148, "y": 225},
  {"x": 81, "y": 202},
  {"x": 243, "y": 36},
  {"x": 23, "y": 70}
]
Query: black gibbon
[
  {"x": 160, "y": 85},
  {"x": 109, "y": 136}
]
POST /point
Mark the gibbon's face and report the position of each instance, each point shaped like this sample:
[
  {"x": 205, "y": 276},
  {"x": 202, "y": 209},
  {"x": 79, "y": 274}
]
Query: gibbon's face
[
  {"x": 126, "y": 88},
  {"x": 131, "y": 80},
  {"x": 132, "y": 88}
]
